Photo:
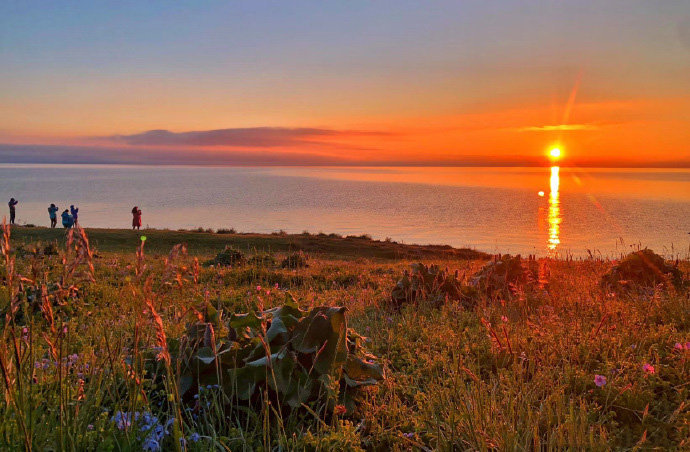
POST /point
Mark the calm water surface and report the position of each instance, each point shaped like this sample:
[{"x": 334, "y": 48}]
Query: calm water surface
[{"x": 607, "y": 211}]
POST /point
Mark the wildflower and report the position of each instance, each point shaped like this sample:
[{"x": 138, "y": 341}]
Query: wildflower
[
  {"x": 649, "y": 368},
  {"x": 25, "y": 334},
  {"x": 678, "y": 346},
  {"x": 599, "y": 380},
  {"x": 151, "y": 445},
  {"x": 258, "y": 288},
  {"x": 122, "y": 420},
  {"x": 168, "y": 423},
  {"x": 89, "y": 427},
  {"x": 687, "y": 346},
  {"x": 408, "y": 435},
  {"x": 339, "y": 410},
  {"x": 194, "y": 437},
  {"x": 504, "y": 319}
]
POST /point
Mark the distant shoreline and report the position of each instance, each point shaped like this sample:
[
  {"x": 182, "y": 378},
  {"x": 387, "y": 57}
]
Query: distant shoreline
[{"x": 207, "y": 242}]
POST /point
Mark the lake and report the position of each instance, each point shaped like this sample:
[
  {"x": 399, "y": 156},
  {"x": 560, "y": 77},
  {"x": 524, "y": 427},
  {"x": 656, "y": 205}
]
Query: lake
[{"x": 544, "y": 211}]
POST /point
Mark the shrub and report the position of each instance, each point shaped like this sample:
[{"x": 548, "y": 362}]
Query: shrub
[
  {"x": 295, "y": 260},
  {"x": 226, "y": 231},
  {"x": 431, "y": 284},
  {"x": 505, "y": 276},
  {"x": 229, "y": 257},
  {"x": 642, "y": 269}
]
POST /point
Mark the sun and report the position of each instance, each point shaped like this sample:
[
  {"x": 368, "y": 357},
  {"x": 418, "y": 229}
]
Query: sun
[{"x": 555, "y": 153}]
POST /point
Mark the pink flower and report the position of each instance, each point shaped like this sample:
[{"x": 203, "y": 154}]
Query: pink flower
[
  {"x": 649, "y": 368},
  {"x": 687, "y": 346},
  {"x": 504, "y": 319},
  {"x": 678, "y": 346},
  {"x": 599, "y": 380},
  {"x": 258, "y": 288}
]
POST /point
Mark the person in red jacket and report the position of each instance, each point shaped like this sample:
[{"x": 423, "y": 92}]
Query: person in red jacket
[{"x": 136, "y": 218}]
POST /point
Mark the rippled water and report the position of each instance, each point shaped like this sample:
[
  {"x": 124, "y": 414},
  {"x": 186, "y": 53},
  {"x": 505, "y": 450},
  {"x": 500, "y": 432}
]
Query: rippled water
[{"x": 606, "y": 211}]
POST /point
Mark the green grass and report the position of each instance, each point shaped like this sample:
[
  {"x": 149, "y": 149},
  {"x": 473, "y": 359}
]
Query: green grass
[
  {"x": 512, "y": 374},
  {"x": 206, "y": 243}
]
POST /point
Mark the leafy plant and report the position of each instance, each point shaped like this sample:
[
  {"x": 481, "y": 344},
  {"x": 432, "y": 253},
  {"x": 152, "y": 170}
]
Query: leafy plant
[{"x": 296, "y": 355}]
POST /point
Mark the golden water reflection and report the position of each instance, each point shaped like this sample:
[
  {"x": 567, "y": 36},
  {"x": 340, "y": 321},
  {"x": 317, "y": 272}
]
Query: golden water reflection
[{"x": 554, "y": 216}]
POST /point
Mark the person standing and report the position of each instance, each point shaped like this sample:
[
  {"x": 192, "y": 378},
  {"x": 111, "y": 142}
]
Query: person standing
[
  {"x": 136, "y": 218},
  {"x": 75, "y": 214},
  {"x": 13, "y": 202},
  {"x": 52, "y": 212},
  {"x": 67, "y": 220}
]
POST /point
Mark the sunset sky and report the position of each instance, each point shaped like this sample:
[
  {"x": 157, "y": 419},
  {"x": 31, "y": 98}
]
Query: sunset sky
[{"x": 346, "y": 82}]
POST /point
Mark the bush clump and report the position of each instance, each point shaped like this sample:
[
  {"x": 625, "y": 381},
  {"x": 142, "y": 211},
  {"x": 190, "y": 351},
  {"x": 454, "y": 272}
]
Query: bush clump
[
  {"x": 505, "y": 276},
  {"x": 642, "y": 269},
  {"x": 429, "y": 283},
  {"x": 229, "y": 257},
  {"x": 295, "y": 260},
  {"x": 297, "y": 356}
]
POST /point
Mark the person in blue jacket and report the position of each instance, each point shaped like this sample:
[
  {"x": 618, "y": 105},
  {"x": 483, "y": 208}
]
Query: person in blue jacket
[
  {"x": 52, "y": 212},
  {"x": 75, "y": 214},
  {"x": 67, "y": 219}
]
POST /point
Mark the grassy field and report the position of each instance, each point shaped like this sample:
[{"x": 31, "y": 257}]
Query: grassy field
[{"x": 562, "y": 364}]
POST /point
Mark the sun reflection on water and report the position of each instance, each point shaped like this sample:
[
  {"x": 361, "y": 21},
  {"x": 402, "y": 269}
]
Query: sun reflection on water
[{"x": 554, "y": 216}]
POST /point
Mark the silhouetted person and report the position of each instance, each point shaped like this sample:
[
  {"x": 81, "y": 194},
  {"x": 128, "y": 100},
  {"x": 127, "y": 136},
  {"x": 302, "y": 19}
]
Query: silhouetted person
[
  {"x": 75, "y": 214},
  {"x": 52, "y": 212},
  {"x": 136, "y": 218},
  {"x": 67, "y": 219},
  {"x": 13, "y": 202}
]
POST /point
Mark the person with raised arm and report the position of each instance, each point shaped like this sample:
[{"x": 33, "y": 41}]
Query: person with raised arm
[{"x": 52, "y": 212}]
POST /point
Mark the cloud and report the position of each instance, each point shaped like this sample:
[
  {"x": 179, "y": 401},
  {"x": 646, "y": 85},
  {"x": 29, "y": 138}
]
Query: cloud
[
  {"x": 558, "y": 128},
  {"x": 51, "y": 154},
  {"x": 253, "y": 137}
]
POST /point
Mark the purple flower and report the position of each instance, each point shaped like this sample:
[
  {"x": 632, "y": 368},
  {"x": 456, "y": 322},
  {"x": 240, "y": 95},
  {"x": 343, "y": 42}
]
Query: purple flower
[
  {"x": 408, "y": 435},
  {"x": 122, "y": 419},
  {"x": 151, "y": 444},
  {"x": 194, "y": 437},
  {"x": 599, "y": 380},
  {"x": 678, "y": 346}
]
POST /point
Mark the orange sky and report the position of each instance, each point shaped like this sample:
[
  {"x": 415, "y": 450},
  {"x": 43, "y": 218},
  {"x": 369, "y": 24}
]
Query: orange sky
[{"x": 455, "y": 84}]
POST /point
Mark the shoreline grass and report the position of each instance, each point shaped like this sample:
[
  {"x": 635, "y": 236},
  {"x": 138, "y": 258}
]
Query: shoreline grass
[
  {"x": 507, "y": 374},
  {"x": 206, "y": 243}
]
